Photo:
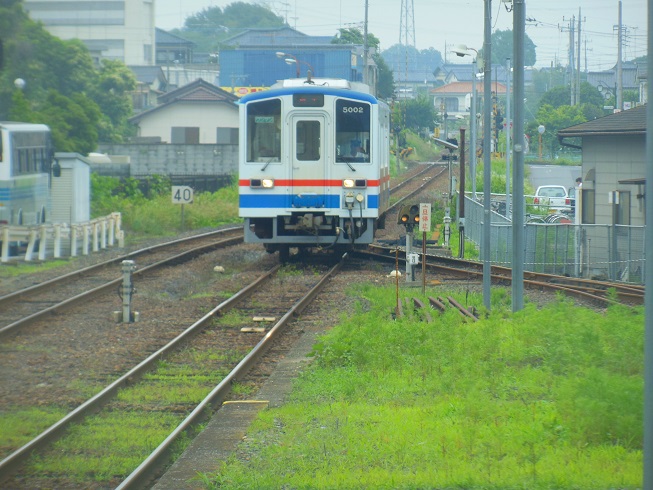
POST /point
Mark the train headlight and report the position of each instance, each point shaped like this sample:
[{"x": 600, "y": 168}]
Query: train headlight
[
  {"x": 358, "y": 183},
  {"x": 258, "y": 183}
]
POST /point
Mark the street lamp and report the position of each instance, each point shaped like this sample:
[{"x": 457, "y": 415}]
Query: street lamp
[
  {"x": 540, "y": 130},
  {"x": 461, "y": 51},
  {"x": 291, "y": 58}
]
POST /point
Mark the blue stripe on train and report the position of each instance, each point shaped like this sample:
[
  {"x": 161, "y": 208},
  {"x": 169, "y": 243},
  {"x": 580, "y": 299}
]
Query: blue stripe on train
[{"x": 286, "y": 201}]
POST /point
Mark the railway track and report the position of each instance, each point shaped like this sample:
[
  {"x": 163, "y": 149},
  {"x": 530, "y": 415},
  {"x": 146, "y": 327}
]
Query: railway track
[
  {"x": 25, "y": 306},
  {"x": 276, "y": 297},
  {"x": 597, "y": 292}
]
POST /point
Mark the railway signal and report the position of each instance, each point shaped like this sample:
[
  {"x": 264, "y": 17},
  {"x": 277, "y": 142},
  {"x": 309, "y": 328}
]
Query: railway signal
[{"x": 409, "y": 216}]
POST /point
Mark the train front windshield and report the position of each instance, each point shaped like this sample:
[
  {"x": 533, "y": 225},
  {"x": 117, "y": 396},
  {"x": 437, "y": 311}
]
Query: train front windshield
[
  {"x": 264, "y": 131},
  {"x": 352, "y": 131}
]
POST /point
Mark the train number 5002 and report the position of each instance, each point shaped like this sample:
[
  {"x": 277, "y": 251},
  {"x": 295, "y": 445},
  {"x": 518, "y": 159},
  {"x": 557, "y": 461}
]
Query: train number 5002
[{"x": 353, "y": 109}]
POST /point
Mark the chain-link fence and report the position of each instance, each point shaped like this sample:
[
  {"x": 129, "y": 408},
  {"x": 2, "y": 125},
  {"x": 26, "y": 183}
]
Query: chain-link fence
[{"x": 610, "y": 252}]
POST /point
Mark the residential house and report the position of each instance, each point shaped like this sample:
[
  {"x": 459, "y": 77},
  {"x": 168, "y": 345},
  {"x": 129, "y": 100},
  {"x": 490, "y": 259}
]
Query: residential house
[
  {"x": 454, "y": 101},
  {"x": 191, "y": 137},
  {"x": 606, "y": 81},
  {"x": 613, "y": 166},
  {"x": 112, "y": 29},
  {"x": 197, "y": 113},
  {"x": 150, "y": 84}
]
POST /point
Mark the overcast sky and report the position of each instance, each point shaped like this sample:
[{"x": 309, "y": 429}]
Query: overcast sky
[{"x": 444, "y": 24}]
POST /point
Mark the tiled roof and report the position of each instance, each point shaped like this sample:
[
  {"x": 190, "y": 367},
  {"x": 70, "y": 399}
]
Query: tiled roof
[
  {"x": 165, "y": 37},
  {"x": 632, "y": 121},
  {"x": 197, "y": 91}
]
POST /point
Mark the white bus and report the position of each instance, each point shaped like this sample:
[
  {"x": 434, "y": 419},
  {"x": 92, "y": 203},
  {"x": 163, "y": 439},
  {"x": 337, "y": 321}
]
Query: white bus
[{"x": 26, "y": 156}]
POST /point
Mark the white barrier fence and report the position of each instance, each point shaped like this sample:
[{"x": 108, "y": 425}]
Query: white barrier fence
[{"x": 62, "y": 238}]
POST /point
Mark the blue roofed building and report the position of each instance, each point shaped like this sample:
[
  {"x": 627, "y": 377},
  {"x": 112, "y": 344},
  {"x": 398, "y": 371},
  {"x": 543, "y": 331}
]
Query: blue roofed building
[{"x": 261, "y": 57}]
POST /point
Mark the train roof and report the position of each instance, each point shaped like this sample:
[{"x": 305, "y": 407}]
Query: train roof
[{"x": 327, "y": 86}]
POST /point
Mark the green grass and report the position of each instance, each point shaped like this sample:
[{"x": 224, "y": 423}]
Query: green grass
[{"x": 540, "y": 399}]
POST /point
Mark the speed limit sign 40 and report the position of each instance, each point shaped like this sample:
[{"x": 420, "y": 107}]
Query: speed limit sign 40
[{"x": 182, "y": 194}]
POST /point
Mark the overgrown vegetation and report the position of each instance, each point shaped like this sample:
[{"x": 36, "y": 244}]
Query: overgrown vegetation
[
  {"x": 540, "y": 399},
  {"x": 147, "y": 208}
]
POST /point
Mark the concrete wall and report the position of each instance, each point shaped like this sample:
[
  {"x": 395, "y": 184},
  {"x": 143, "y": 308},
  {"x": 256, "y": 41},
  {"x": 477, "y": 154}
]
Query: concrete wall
[{"x": 164, "y": 159}]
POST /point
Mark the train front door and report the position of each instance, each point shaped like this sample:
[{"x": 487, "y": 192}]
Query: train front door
[{"x": 308, "y": 172}]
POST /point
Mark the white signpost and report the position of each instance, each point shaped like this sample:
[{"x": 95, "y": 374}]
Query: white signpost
[
  {"x": 182, "y": 194},
  {"x": 424, "y": 226}
]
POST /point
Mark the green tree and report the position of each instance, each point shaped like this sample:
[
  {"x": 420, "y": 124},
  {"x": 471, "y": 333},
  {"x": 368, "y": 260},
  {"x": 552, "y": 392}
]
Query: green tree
[
  {"x": 385, "y": 86},
  {"x": 111, "y": 93},
  {"x": 209, "y": 27},
  {"x": 63, "y": 87},
  {"x": 419, "y": 113},
  {"x": 502, "y": 48},
  {"x": 554, "y": 119}
]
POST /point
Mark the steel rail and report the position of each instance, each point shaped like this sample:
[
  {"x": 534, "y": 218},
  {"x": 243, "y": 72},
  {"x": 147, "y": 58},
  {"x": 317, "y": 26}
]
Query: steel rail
[
  {"x": 56, "y": 308},
  {"x": 12, "y": 462},
  {"x": 131, "y": 255},
  {"x": 145, "y": 471},
  {"x": 503, "y": 278}
]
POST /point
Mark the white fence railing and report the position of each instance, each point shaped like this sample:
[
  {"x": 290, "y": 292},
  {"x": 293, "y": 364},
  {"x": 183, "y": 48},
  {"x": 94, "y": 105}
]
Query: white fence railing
[{"x": 61, "y": 239}]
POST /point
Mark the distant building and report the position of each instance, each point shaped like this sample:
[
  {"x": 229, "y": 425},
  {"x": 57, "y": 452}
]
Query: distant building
[
  {"x": 112, "y": 29},
  {"x": 606, "y": 81},
  {"x": 614, "y": 167},
  {"x": 260, "y": 57},
  {"x": 197, "y": 113}
]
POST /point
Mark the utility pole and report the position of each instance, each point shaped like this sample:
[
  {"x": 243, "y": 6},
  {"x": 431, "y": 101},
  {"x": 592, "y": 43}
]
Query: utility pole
[
  {"x": 366, "y": 48},
  {"x": 572, "y": 77},
  {"x": 578, "y": 62},
  {"x": 487, "y": 165},
  {"x": 508, "y": 128},
  {"x": 518, "y": 206},
  {"x": 620, "y": 79}
]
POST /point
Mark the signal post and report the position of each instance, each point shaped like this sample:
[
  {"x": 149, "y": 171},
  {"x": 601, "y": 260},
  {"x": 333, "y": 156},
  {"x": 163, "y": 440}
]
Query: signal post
[{"x": 412, "y": 215}]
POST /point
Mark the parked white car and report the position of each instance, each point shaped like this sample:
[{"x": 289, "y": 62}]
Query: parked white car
[{"x": 553, "y": 199}]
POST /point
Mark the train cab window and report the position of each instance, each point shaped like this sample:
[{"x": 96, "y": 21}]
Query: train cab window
[
  {"x": 352, "y": 131},
  {"x": 264, "y": 131},
  {"x": 308, "y": 140}
]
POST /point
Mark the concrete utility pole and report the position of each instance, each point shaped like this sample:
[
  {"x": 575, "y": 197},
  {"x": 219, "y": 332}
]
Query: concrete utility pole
[
  {"x": 620, "y": 78},
  {"x": 508, "y": 129},
  {"x": 648, "y": 271},
  {"x": 648, "y": 274},
  {"x": 518, "y": 207},
  {"x": 487, "y": 151},
  {"x": 578, "y": 62}
]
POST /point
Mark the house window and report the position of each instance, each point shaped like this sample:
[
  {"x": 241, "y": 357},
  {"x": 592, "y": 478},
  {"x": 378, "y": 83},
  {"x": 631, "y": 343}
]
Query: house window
[
  {"x": 451, "y": 104},
  {"x": 226, "y": 136},
  {"x": 622, "y": 209},
  {"x": 588, "y": 216},
  {"x": 185, "y": 136}
]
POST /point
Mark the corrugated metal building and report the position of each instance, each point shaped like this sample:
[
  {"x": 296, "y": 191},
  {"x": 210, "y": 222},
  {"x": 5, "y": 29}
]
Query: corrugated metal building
[{"x": 260, "y": 57}]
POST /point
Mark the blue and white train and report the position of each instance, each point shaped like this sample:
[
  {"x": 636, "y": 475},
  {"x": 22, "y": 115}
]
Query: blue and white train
[
  {"x": 314, "y": 164},
  {"x": 26, "y": 155}
]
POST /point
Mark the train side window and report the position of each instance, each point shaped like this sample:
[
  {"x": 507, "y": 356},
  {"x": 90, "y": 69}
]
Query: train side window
[
  {"x": 308, "y": 140},
  {"x": 352, "y": 131},
  {"x": 264, "y": 131}
]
